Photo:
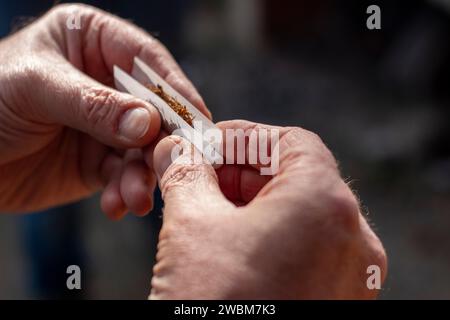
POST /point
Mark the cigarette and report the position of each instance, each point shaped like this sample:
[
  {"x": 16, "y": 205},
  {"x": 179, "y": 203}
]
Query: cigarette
[{"x": 176, "y": 106}]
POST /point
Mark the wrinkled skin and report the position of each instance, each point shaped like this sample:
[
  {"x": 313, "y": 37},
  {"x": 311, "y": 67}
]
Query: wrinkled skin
[
  {"x": 230, "y": 233},
  {"x": 60, "y": 137},
  {"x": 298, "y": 235}
]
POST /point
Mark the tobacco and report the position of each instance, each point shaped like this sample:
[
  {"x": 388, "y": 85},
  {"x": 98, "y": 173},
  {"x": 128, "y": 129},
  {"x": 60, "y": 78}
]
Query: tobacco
[{"x": 180, "y": 109}]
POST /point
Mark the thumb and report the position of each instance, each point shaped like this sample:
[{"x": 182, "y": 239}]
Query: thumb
[
  {"x": 188, "y": 184},
  {"x": 117, "y": 119}
]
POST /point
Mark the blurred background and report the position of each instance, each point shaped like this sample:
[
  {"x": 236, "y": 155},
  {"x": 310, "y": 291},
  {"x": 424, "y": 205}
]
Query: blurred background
[{"x": 378, "y": 98}]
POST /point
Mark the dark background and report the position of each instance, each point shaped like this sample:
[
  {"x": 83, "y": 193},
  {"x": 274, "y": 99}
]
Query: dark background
[{"x": 378, "y": 98}]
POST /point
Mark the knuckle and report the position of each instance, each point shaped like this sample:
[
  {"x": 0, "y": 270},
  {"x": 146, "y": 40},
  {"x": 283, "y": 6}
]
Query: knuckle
[
  {"x": 175, "y": 78},
  {"x": 153, "y": 49},
  {"x": 180, "y": 175},
  {"x": 296, "y": 132},
  {"x": 99, "y": 106},
  {"x": 303, "y": 134},
  {"x": 300, "y": 144},
  {"x": 158, "y": 46},
  {"x": 26, "y": 75},
  {"x": 313, "y": 138},
  {"x": 317, "y": 147},
  {"x": 342, "y": 210},
  {"x": 30, "y": 73}
]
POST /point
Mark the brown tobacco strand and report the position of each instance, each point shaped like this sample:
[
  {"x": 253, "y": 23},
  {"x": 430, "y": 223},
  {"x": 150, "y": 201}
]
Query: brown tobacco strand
[{"x": 180, "y": 109}]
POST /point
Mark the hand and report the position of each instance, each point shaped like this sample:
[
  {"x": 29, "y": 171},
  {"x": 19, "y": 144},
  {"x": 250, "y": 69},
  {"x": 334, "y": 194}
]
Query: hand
[
  {"x": 64, "y": 133},
  {"x": 299, "y": 235}
]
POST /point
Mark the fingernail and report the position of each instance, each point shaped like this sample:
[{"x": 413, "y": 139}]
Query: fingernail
[
  {"x": 134, "y": 123},
  {"x": 168, "y": 152}
]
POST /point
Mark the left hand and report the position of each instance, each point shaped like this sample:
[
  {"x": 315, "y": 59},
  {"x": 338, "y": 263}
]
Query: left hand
[{"x": 64, "y": 133}]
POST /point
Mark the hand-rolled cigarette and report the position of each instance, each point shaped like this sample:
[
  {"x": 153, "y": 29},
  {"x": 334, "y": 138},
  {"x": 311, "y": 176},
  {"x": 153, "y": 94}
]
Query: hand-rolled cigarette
[{"x": 180, "y": 109}]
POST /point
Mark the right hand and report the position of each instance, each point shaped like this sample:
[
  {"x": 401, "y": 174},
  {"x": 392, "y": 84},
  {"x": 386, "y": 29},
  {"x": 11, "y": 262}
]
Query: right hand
[{"x": 299, "y": 235}]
